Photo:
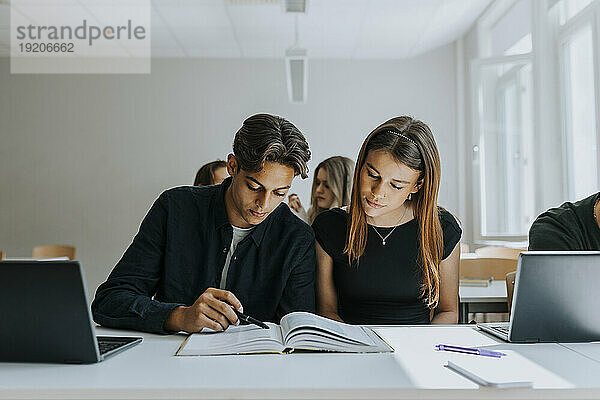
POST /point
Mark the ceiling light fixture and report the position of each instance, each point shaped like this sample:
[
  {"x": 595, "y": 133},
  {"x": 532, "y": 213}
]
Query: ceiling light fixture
[
  {"x": 296, "y": 70},
  {"x": 295, "y": 6}
]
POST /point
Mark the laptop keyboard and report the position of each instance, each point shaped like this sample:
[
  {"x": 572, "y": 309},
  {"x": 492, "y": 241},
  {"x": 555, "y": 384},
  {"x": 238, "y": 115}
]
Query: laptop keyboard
[
  {"x": 501, "y": 328},
  {"x": 106, "y": 343}
]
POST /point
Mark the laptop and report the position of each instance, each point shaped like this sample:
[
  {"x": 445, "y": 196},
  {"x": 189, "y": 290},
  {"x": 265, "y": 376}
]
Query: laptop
[
  {"x": 555, "y": 299},
  {"x": 45, "y": 315}
]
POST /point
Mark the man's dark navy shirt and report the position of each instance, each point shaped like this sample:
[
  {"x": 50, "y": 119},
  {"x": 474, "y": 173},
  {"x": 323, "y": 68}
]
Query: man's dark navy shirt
[{"x": 180, "y": 251}]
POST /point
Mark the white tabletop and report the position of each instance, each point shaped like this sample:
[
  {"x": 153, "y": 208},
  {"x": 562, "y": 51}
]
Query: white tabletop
[
  {"x": 468, "y": 256},
  {"x": 590, "y": 350},
  {"x": 36, "y": 258},
  {"x": 150, "y": 370},
  {"x": 495, "y": 293}
]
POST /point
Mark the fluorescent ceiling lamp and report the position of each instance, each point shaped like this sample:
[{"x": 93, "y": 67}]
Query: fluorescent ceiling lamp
[
  {"x": 295, "y": 6},
  {"x": 296, "y": 71}
]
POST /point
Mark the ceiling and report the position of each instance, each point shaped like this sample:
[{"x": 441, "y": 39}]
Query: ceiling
[{"x": 330, "y": 29}]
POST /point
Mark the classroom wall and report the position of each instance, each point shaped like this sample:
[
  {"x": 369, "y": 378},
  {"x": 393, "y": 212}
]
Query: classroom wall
[{"x": 82, "y": 157}]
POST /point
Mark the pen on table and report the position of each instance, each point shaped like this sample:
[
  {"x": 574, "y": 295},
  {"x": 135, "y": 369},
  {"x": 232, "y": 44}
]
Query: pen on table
[
  {"x": 469, "y": 350},
  {"x": 250, "y": 320}
]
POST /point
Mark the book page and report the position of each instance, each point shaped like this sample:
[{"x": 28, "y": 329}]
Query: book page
[
  {"x": 314, "y": 323},
  {"x": 234, "y": 340}
]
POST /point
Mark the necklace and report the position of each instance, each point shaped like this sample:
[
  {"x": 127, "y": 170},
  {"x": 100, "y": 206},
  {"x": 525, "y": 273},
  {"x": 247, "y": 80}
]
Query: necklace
[{"x": 383, "y": 239}]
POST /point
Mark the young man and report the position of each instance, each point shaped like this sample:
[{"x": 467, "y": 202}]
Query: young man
[
  {"x": 202, "y": 251},
  {"x": 572, "y": 226}
]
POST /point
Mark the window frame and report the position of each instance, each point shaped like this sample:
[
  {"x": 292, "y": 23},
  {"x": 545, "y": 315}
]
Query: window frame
[
  {"x": 478, "y": 144},
  {"x": 548, "y": 107},
  {"x": 589, "y": 16}
]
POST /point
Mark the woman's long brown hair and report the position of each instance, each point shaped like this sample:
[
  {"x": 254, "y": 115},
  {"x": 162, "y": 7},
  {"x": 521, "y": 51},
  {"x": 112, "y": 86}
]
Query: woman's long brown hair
[
  {"x": 339, "y": 178},
  {"x": 419, "y": 153}
]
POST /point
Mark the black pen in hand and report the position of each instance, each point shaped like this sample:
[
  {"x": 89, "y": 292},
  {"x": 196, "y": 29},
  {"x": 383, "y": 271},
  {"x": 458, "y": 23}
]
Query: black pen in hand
[{"x": 250, "y": 320}]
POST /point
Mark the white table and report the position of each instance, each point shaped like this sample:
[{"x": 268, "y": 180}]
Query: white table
[
  {"x": 415, "y": 370},
  {"x": 468, "y": 256},
  {"x": 490, "y": 299}
]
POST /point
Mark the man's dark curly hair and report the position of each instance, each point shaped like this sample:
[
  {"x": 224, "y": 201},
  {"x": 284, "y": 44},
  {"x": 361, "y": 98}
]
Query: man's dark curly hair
[{"x": 265, "y": 137}]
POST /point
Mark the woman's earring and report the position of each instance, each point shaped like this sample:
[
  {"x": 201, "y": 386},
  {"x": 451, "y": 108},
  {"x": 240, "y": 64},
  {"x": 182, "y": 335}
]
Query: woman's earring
[{"x": 409, "y": 196}]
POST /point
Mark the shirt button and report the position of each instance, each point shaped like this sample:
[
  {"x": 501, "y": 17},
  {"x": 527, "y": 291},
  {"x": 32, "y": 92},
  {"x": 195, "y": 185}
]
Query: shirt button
[
  {"x": 234, "y": 258},
  {"x": 225, "y": 250}
]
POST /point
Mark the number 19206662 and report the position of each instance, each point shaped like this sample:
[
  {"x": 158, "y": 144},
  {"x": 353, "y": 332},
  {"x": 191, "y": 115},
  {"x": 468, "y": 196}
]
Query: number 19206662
[{"x": 46, "y": 47}]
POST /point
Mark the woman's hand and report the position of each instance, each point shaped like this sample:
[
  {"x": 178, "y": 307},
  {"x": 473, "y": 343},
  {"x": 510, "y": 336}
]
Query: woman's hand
[{"x": 294, "y": 202}]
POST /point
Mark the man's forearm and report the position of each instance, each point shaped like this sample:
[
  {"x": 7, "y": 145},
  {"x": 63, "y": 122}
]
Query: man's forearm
[
  {"x": 120, "y": 309},
  {"x": 174, "y": 322}
]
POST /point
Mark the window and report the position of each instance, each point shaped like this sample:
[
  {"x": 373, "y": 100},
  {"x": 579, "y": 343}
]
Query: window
[
  {"x": 535, "y": 105},
  {"x": 503, "y": 124},
  {"x": 504, "y": 141},
  {"x": 577, "y": 49},
  {"x": 567, "y": 9}
]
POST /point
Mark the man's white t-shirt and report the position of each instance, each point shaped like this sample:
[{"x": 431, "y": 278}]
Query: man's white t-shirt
[{"x": 238, "y": 235}]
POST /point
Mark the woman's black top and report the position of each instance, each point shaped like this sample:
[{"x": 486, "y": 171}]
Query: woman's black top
[{"x": 384, "y": 287}]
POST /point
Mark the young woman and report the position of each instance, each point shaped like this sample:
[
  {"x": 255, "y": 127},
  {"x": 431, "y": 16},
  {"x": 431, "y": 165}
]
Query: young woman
[
  {"x": 332, "y": 183},
  {"x": 213, "y": 173},
  {"x": 393, "y": 257}
]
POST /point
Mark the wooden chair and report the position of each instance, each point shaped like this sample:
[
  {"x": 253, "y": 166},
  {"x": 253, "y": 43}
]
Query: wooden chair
[
  {"x": 2, "y": 255},
  {"x": 498, "y": 252},
  {"x": 495, "y": 268},
  {"x": 510, "y": 288},
  {"x": 54, "y": 251},
  {"x": 464, "y": 248}
]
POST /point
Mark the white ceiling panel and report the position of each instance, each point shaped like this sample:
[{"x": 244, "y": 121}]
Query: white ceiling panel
[
  {"x": 332, "y": 26},
  {"x": 199, "y": 37},
  {"x": 392, "y": 29},
  {"x": 107, "y": 14},
  {"x": 381, "y": 29},
  {"x": 462, "y": 12},
  {"x": 61, "y": 15},
  {"x": 262, "y": 30},
  {"x": 198, "y": 15}
]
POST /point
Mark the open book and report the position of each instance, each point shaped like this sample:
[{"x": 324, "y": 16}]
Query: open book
[{"x": 298, "y": 331}]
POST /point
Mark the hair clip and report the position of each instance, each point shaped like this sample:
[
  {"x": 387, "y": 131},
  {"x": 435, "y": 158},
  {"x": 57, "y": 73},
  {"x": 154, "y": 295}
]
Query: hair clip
[{"x": 403, "y": 136}]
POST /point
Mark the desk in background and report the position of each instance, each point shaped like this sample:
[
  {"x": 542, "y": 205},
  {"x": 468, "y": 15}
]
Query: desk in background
[
  {"x": 415, "y": 370},
  {"x": 490, "y": 299}
]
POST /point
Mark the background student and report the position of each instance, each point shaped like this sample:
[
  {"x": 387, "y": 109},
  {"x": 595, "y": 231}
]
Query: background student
[
  {"x": 393, "y": 257},
  {"x": 332, "y": 184},
  {"x": 202, "y": 250},
  {"x": 572, "y": 226},
  {"x": 213, "y": 173}
]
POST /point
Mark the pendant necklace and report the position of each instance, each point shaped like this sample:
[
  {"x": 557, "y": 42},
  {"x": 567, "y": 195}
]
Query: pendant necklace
[{"x": 384, "y": 238}]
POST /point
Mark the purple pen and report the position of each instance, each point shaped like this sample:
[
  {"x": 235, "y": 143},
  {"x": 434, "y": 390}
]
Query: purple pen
[{"x": 469, "y": 350}]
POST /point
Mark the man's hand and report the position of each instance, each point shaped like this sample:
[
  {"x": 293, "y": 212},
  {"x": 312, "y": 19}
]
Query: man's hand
[
  {"x": 294, "y": 202},
  {"x": 211, "y": 310}
]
